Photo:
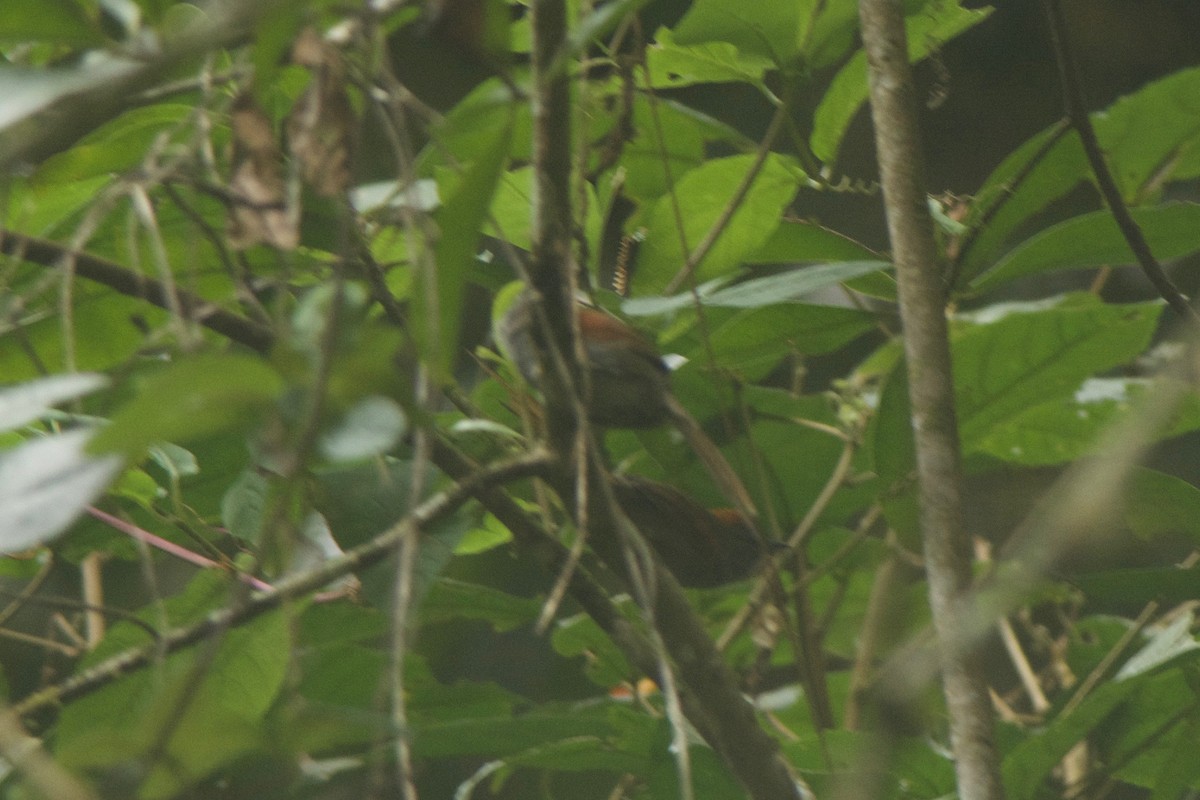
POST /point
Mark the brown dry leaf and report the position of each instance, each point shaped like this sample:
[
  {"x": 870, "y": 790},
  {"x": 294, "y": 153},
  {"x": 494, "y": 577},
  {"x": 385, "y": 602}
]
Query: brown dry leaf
[
  {"x": 258, "y": 211},
  {"x": 322, "y": 121}
]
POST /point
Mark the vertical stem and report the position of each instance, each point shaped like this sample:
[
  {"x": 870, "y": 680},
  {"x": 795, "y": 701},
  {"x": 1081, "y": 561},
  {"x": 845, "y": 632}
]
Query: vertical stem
[
  {"x": 931, "y": 390},
  {"x": 552, "y": 272}
]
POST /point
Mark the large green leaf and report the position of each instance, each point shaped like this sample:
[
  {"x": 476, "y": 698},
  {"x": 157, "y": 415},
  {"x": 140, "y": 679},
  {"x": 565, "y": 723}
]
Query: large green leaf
[
  {"x": 751, "y": 342},
  {"x": 802, "y": 242},
  {"x": 1151, "y": 136},
  {"x": 1014, "y": 357},
  {"x": 1094, "y": 240},
  {"x": 1067, "y": 426},
  {"x": 702, "y": 195}
]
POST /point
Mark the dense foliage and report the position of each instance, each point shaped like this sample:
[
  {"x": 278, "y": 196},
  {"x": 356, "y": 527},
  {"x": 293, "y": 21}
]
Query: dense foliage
[{"x": 246, "y": 282}]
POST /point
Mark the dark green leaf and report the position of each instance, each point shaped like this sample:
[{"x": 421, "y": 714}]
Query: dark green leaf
[
  {"x": 210, "y": 716},
  {"x": 803, "y": 242},
  {"x": 244, "y": 506},
  {"x": 1124, "y": 591}
]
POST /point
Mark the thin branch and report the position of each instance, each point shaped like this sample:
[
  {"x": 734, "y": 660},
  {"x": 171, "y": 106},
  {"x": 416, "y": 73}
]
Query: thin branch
[
  {"x": 1077, "y": 113},
  {"x": 931, "y": 389},
  {"x": 169, "y": 547}
]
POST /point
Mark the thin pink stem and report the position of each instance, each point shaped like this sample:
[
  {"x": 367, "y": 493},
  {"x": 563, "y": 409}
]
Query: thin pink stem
[{"x": 143, "y": 535}]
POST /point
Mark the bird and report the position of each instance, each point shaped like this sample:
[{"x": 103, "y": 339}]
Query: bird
[
  {"x": 702, "y": 547},
  {"x": 630, "y": 384}
]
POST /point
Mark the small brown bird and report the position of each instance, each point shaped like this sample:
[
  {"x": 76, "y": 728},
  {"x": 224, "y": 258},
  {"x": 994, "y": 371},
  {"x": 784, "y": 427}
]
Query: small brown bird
[
  {"x": 630, "y": 384},
  {"x": 701, "y": 547}
]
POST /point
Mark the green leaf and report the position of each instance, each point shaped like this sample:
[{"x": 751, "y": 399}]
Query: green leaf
[
  {"x": 927, "y": 30},
  {"x": 116, "y": 146},
  {"x": 670, "y": 65},
  {"x": 1125, "y": 591},
  {"x": 600, "y": 21},
  {"x": 437, "y": 292},
  {"x": 491, "y": 535},
  {"x": 686, "y": 135},
  {"x": 497, "y": 736},
  {"x": 604, "y": 664},
  {"x": 789, "y": 286},
  {"x": 61, "y": 22},
  {"x": 104, "y": 333},
  {"x": 771, "y": 29},
  {"x": 1180, "y": 768},
  {"x": 710, "y": 777},
  {"x": 751, "y": 342},
  {"x": 198, "y": 396},
  {"x": 1027, "y": 765},
  {"x": 26, "y": 402},
  {"x": 1017, "y": 356},
  {"x": 892, "y": 448},
  {"x": 450, "y": 599},
  {"x": 210, "y": 716},
  {"x": 702, "y": 194},
  {"x": 1149, "y": 135},
  {"x": 468, "y": 133},
  {"x": 1067, "y": 427},
  {"x": 1094, "y": 240},
  {"x": 244, "y": 506},
  {"x": 778, "y": 289}
]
